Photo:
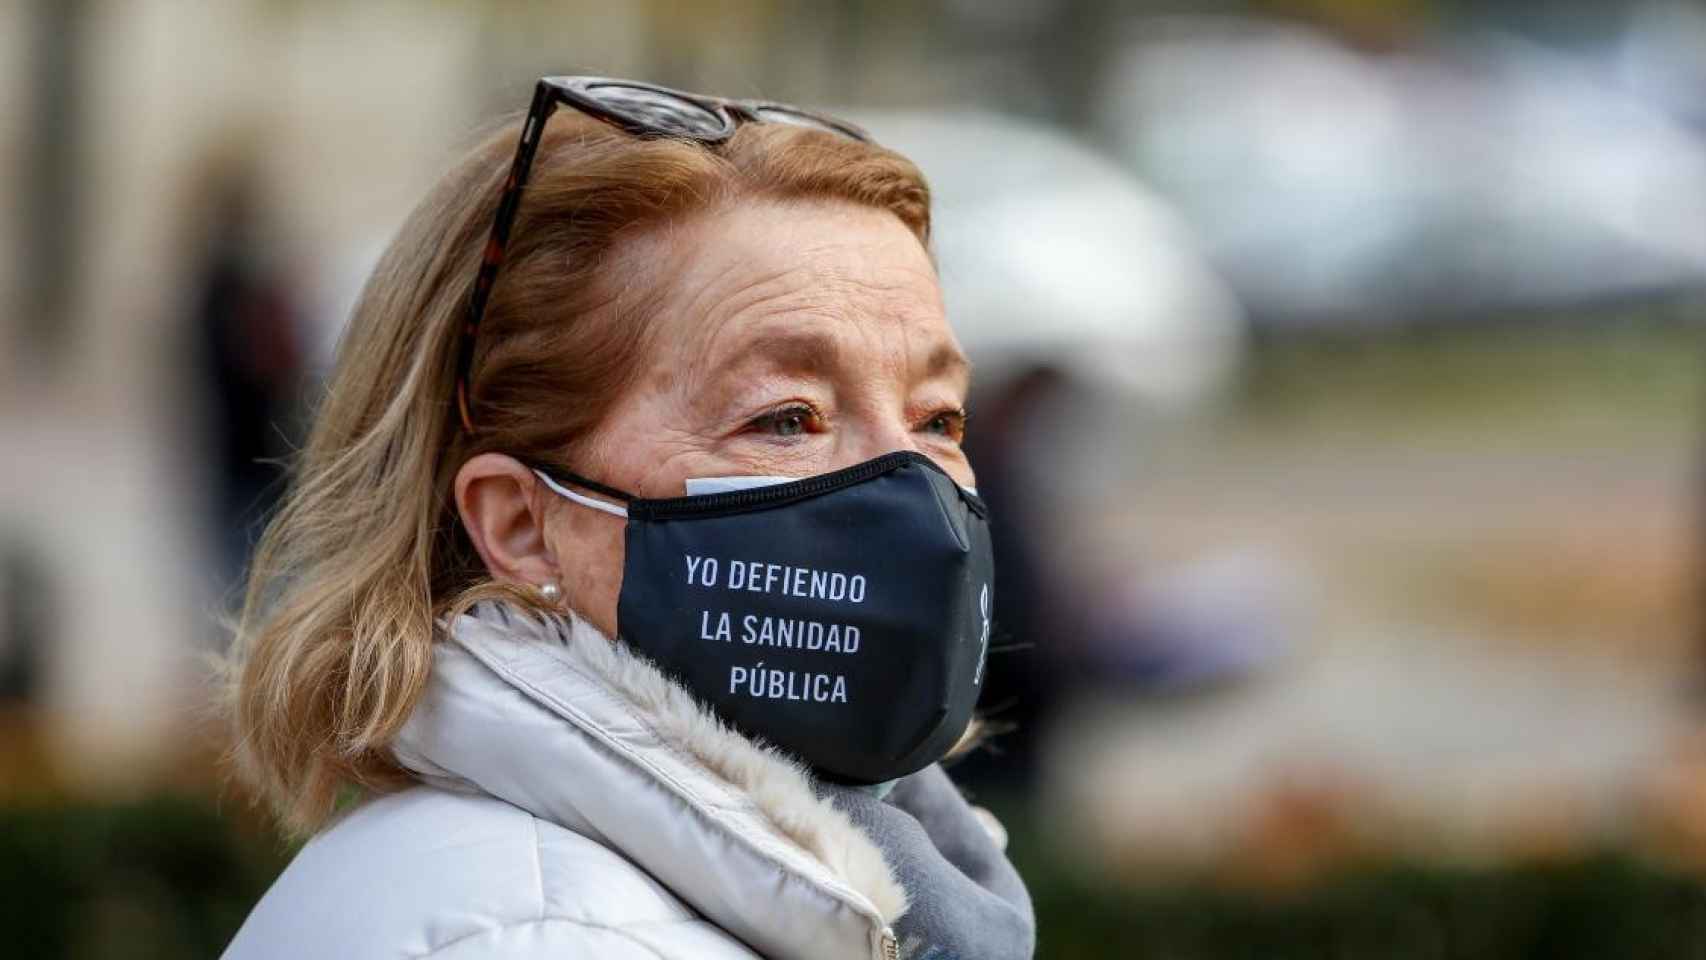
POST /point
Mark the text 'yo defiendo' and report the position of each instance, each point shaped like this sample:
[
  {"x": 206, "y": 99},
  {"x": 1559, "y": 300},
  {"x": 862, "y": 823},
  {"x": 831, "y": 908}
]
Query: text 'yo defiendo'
[{"x": 793, "y": 633}]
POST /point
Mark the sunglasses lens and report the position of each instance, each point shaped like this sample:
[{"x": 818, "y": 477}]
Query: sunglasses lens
[
  {"x": 773, "y": 113},
  {"x": 661, "y": 111}
]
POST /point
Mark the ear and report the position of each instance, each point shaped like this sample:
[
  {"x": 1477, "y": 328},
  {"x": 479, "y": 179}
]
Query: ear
[{"x": 498, "y": 498}]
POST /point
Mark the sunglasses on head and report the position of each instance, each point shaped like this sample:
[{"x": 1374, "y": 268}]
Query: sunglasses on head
[{"x": 641, "y": 109}]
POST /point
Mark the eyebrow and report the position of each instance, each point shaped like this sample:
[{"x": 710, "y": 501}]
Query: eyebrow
[
  {"x": 803, "y": 351},
  {"x": 947, "y": 359},
  {"x": 817, "y": 352}
]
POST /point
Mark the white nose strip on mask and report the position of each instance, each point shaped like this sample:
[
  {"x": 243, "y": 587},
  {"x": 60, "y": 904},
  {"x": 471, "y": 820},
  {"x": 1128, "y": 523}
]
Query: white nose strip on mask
[
  {"x": 702, "y": 485},
  {"x": 696, "y": 486}
]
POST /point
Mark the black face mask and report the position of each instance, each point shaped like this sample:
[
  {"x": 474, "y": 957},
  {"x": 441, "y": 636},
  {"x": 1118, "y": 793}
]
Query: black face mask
[{"x": 843, "y": 617}]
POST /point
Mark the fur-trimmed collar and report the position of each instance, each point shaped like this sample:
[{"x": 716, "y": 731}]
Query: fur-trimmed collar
[{"x": 557, "y": 719}]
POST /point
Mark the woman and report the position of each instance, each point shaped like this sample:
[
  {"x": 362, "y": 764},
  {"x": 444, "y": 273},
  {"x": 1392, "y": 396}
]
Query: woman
[{"x": 682, "y": 378}]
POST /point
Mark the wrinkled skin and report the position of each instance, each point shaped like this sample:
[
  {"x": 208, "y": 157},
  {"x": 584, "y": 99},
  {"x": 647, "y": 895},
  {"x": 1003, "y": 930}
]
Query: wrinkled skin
[{"x": 793, "y": 339}]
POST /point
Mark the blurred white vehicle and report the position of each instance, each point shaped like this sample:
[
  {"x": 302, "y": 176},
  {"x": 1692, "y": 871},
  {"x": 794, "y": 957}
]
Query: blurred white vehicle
[
  {"x": 1335, "y": 186},
  {"x": 1053, "y": 255}
]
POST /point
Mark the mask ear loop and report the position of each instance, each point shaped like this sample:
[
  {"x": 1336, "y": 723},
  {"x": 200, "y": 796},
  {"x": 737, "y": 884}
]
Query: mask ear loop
[{"x": 579, "y": 498}]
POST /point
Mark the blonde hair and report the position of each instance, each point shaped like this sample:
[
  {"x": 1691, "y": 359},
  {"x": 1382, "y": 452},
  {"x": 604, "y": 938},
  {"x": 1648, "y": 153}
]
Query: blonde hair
[{"x": 333, "y": 645}]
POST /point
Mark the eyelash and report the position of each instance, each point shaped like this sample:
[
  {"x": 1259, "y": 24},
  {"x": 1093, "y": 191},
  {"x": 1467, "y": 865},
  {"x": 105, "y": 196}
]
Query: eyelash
[
  {"x": 956, "y": 417},
  {"x": 768, "y": 422}
]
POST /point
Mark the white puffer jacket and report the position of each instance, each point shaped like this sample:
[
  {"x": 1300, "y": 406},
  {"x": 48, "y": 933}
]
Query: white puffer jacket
[{"x": 578, "y": 804}]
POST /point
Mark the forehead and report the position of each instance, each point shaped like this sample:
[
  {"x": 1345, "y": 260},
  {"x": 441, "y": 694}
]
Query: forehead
[{"x": 747, "y": 271}]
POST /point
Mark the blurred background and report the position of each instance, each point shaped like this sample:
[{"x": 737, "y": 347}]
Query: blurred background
[{"x": 1340, "y": 394}]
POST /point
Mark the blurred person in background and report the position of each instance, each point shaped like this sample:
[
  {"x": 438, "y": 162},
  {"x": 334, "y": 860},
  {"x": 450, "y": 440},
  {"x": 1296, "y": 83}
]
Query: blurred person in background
[
  {"x": 252, "y": 365},
  {"x": 693, "y": 389}
]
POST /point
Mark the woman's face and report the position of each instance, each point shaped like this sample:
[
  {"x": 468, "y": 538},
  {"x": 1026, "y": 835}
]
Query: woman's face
[{"x": 794, "y": 339}]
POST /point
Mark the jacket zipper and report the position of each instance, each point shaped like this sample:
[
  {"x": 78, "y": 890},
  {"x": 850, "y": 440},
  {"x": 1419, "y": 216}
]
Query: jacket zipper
[{"x": 888, "y": 945}]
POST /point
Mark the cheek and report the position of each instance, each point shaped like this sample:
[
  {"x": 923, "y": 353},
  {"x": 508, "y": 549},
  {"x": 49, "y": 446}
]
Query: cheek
[
  {"x": 645, "y": 448},
  {"x": 589, "y": 550},
  {"x": 962, "y": 473}
]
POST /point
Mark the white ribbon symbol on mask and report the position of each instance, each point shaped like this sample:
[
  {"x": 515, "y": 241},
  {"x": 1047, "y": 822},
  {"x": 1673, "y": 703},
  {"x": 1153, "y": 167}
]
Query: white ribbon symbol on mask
[{"x": 983, "y": 651}]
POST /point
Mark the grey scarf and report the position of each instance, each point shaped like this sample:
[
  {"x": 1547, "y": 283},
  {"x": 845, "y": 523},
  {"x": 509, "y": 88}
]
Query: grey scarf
[{"x": 968, "y": 902}]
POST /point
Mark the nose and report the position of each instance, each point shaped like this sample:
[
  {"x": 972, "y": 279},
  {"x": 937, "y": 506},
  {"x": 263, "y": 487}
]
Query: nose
[
  {"x": 886, "y": 431},
  {"x": 882, "y": 433}
]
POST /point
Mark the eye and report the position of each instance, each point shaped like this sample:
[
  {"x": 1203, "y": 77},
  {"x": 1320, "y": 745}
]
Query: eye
[
  {"x": 787, "y": 422},
  {"x": 950, "y": 424}
]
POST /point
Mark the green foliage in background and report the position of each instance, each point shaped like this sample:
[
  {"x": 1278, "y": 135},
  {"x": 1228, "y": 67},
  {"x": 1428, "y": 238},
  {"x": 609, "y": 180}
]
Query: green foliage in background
[
  {"x": 1635, "y": 371},
  {"x": 174, "y": 878},
  {"x": 166, "y": 877},
  {"x": 1597, "y": 909},
  {"x": 1606, "y": 907}
]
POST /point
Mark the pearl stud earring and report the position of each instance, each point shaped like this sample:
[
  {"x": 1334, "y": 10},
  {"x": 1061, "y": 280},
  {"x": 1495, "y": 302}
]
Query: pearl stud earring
[{"x": 550, "y": 592}]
